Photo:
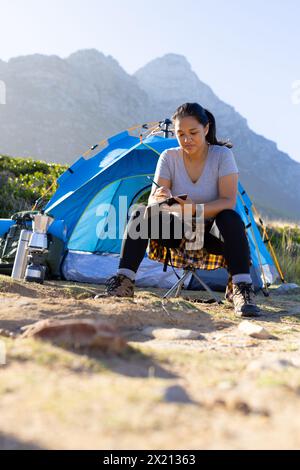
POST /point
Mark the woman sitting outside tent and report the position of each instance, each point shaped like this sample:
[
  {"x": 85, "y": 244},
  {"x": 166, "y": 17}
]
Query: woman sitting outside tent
[{"x": 205, "y": 169}]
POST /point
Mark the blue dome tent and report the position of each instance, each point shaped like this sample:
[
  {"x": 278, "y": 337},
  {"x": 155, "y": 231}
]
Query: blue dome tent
[{"x": 115, "y": 175}]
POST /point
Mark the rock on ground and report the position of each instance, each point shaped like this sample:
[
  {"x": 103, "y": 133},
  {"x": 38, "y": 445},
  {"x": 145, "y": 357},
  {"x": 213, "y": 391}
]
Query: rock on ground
[
  {"x": 78, "y": 334},
  {"x": 170, "y": 333},
  {"x": 254, "y": 330}
]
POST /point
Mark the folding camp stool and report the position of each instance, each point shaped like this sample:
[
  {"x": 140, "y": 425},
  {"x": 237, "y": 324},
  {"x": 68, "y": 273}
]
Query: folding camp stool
[{"x": 179, "y": 284}]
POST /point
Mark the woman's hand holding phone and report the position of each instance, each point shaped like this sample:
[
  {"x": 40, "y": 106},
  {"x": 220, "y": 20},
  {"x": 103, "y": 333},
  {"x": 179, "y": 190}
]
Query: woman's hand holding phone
[{"x": 161, "y": 194}]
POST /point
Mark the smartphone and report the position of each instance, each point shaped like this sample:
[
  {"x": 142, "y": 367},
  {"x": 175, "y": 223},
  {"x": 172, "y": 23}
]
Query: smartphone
[{"x": 172, "y": 201}]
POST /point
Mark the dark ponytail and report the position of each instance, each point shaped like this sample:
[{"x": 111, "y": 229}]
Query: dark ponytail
[{"x": 204, "y": 117}]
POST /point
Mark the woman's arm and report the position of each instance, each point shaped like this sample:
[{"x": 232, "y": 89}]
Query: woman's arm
[
  {"x": 228, "y": 188},
  {"x": 159, "y": 194}
]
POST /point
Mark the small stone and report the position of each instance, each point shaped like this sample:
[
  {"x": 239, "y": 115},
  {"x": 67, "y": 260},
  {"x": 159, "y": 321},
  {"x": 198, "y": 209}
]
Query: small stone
[
  {"x": 286, "y": 287},
  {"x": 170, "y": 333},
  {"x": 254, "y": 330},
  {"x": 234, "y": 403},
  {"x": 7, "y": 333}
]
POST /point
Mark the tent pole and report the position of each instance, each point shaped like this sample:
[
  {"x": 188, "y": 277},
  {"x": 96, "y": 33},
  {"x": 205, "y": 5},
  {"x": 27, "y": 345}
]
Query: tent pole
[
  {"x": 270, "y": 245},
  {"x": 150, "y": 148},
  {"x": 165, "y": 127}
]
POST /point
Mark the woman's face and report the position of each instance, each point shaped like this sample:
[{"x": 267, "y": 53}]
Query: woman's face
[{"x": 190, "y": 134}]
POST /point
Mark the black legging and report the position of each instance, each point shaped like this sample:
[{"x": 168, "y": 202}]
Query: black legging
[{"x": 235, "y": 247}]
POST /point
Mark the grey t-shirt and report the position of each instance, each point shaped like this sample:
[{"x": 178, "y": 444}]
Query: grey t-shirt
[{"x": 220, "y": 162}]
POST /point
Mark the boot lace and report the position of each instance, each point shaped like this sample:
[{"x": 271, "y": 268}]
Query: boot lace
[
  {"x": 113, "y": 283},
  {"x": 245, "y": 290}
]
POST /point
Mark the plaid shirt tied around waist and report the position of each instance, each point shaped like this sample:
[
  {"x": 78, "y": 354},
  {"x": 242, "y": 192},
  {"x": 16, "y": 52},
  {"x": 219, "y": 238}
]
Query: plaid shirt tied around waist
[{"x": 181, "y": 258}]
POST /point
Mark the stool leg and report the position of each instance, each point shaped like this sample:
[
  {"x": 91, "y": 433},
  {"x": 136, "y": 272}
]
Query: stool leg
[
  {"x": 177, "y": 286},
  {"x": 217, "y": 299}
]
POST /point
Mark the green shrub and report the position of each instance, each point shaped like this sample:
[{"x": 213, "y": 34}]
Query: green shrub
[{"x": 24, "y": 181}]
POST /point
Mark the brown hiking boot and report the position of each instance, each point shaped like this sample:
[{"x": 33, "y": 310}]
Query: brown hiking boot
[
  {"x": 244, "y": 305},
  {"x": 118, "y": 286}
]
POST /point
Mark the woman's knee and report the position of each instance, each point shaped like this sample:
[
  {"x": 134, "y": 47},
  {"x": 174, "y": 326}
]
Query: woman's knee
[
  {"x": 228, "y": 214},
  {"x": 229, "y": 217}
]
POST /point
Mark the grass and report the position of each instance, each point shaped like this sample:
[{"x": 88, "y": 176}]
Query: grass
[
  {"x": 52, "y": 357},
  {"x": 287, "y": 378},
  {"x": 285, "y": 239}
]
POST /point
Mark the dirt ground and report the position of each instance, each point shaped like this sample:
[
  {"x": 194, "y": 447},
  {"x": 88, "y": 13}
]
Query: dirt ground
[{"x": 223, "y": 390}]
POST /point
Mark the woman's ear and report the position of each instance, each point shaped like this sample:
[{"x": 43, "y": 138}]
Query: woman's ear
[{"x": 206, "y": 129}]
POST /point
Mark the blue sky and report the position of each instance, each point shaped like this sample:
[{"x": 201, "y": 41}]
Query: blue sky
[{"x": 247, "y": 51}]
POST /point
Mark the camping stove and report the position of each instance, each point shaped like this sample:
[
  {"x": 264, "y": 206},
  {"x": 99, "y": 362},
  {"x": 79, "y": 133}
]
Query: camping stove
[{"x": 38, "y": 249}]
